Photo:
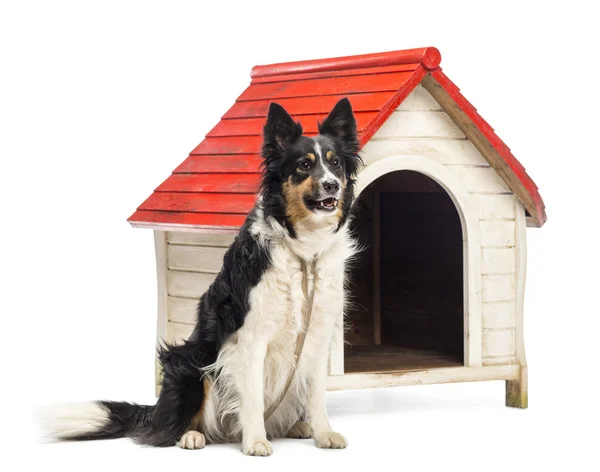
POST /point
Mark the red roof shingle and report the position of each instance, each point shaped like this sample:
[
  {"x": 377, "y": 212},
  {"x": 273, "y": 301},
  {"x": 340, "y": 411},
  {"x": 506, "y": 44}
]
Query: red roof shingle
[{"x": 215, "y": 187}]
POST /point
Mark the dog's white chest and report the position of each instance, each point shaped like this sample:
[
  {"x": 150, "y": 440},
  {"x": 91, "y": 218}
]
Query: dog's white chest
[{"x": 278, "y": 313}]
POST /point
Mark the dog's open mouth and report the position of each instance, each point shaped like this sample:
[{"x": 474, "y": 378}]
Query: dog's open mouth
[{"x": 326, "y": 205}]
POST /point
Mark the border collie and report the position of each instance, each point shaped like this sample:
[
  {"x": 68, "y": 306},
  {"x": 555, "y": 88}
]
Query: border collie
[{"x": 217, "y": 385}]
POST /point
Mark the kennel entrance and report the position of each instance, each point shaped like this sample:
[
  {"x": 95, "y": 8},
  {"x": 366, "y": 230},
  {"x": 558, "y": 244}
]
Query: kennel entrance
[{"x": 407, "y": 308}]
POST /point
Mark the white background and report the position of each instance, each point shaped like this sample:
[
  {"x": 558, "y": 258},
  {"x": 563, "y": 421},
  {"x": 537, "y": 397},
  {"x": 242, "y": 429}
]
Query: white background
[{"x": 100, "y": 101}]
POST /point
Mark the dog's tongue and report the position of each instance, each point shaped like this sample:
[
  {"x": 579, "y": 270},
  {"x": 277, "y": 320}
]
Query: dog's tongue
[{"x": 328, "y": 203}]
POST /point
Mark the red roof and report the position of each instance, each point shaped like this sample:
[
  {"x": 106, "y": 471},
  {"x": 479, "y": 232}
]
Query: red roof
[{"x": 215, "y": 187}]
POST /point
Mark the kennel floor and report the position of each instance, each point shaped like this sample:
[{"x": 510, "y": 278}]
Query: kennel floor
[{"x": 385, "y": 358}]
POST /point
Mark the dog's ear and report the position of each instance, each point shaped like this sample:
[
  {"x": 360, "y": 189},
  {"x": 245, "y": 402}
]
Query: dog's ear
[
  {"x": 280, "y": 130},
  {"x": 340, "y": 123}
]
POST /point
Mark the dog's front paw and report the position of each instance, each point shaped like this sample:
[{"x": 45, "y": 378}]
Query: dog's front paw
[
  {"x": 262, "y": 447},
  {"x": 300, "y": 430},
  {"x": 331, "y": 440},
  {"x": 192, "y": 440}
]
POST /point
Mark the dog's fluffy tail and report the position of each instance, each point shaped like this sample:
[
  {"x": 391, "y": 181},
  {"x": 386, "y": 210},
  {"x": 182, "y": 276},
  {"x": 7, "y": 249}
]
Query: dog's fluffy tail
[
  {"x": 96, "y": 420},
  {"x": 180, "y": 401}
]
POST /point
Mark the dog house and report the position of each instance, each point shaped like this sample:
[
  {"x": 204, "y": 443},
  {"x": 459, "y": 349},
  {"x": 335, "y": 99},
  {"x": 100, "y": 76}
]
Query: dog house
[{"x": 442, "y": 208}]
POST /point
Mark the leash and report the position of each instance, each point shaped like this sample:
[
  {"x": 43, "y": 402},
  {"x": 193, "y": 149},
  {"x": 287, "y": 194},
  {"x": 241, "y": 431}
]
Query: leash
[{"x": 306, "y": 314}]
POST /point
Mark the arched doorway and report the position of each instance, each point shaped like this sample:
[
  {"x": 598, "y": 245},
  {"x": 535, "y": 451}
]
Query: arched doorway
[{"x": 407, "y": 291}]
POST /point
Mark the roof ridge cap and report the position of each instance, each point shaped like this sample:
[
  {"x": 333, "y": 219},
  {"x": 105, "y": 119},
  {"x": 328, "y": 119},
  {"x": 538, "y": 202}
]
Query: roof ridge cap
[{"x": 428, "y": 57}]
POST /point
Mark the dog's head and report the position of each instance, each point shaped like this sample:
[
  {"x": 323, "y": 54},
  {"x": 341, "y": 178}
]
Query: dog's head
[{"x": 309, "y": 179}]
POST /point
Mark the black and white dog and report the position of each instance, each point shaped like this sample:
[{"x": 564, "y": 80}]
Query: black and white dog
[{"x": 217, "y": 385}]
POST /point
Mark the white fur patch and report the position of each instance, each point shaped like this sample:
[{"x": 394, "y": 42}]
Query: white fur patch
[
  {"x": 317, "y": 148},
  {"x": 331, "y": 441},
  {"x": 72, "y": 420},
  {"x": 328, "y": 176},
  {"x": 192, "y": 440}
]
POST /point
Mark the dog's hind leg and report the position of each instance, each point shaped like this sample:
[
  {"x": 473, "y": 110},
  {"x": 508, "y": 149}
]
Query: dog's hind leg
[
  {"x": 181, "y": 396},
  {"x": 192, "y": 440},
  {"x": 301, "y": 430}
]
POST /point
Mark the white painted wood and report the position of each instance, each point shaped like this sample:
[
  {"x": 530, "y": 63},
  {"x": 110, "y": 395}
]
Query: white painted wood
[
  {"x": 498, "y": 315},
  {"x": 495, "y": 206},
  {"x": 498, "y": 343},
  {"x": 160, "y": 251},
  {"x": 500, "y": 360},
  {"x": 185, "y": 227},
  {"x": 445, "y": 151},
  {"x": 480, "y": 179},
  {"x": 196, "y": 258},
  {"x": 188, "y": 284},
  {"x": 182, "y": 310},
  {"x": 521, "y": 275},
  {"x": 471, "y": 235},
  {"x": 200, "y": 239},
  {"x": 476, "y": 136},
  {"x": 419, "y": 124},
  {"x": 498, "y": 260},
  {"x": 498, "y": 288},
  {"x": 517, "y": 390},
  {"x": 422, "y": 377},
  {"x": 495, "y": 233},
  {"x": 178, "y": 332},
  {"x": 419, "y": 99}
]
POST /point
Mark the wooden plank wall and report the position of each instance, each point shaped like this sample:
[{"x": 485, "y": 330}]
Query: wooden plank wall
[
  {"x": 193, "y": 261},
  {"x": 420, "y": 126}
]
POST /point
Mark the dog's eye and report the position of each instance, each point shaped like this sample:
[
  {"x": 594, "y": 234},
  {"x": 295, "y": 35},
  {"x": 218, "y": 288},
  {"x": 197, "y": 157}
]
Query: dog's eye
[
  {"x": 304, "y": 165},
  {"x": 335, "y": 162}
]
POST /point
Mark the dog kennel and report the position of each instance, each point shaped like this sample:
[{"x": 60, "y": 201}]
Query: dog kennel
[{"x": 441, "y": 210}]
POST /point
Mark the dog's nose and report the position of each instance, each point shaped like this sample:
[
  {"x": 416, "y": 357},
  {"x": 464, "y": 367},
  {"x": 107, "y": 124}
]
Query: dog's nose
[{"x": 331, "y": 187}]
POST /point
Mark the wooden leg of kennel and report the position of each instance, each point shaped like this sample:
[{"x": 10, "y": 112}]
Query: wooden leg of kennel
[{"x": 516, "y": 390}]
